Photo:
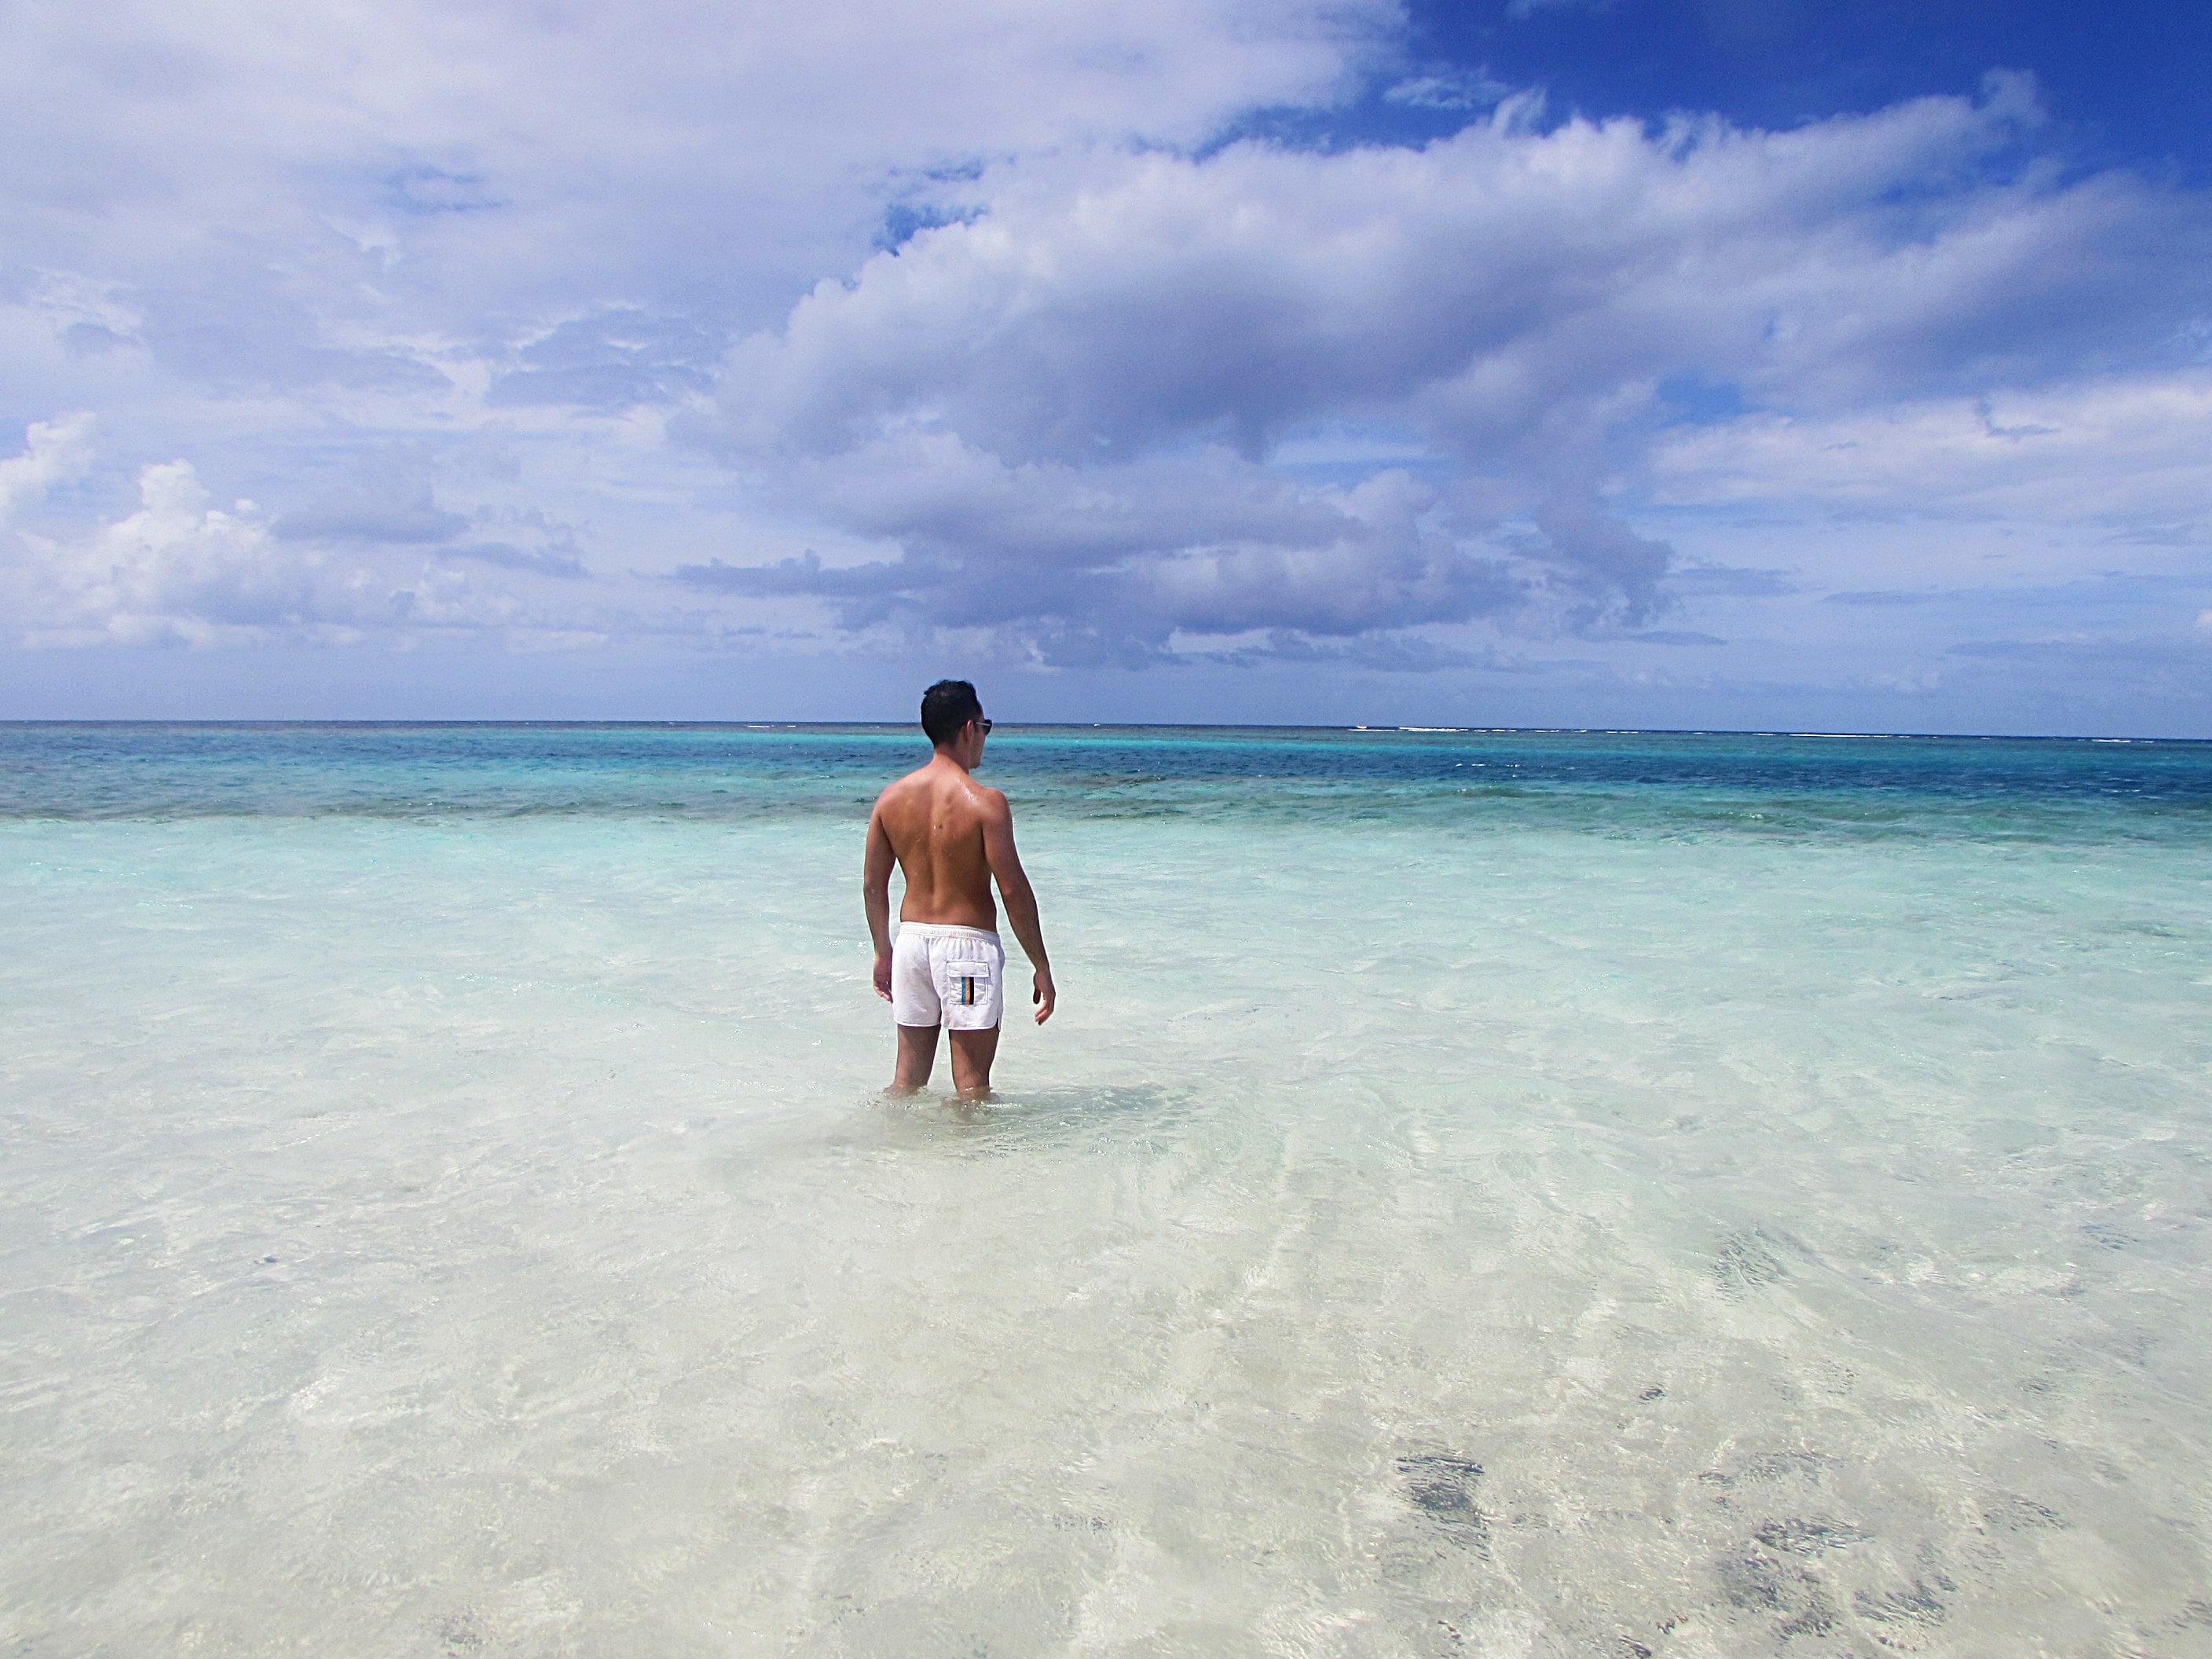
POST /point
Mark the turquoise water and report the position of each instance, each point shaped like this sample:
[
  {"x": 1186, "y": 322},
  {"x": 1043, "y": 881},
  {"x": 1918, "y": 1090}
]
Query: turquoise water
[{"x": 1504, "y": 1193}]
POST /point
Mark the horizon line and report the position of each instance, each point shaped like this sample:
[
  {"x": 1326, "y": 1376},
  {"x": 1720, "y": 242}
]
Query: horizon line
[{"x": 1007, "y": 725}]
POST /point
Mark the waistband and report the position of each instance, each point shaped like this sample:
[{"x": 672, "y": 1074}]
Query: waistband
[{"x": 947, "y": 930}]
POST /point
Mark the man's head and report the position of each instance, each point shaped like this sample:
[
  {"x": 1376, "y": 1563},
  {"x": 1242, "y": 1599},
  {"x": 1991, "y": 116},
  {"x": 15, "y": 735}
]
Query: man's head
[{"x": 948, "y": 709}]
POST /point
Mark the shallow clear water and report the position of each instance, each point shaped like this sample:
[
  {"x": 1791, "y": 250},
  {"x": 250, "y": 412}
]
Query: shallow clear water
[{"x": 1704, "y": 1195}]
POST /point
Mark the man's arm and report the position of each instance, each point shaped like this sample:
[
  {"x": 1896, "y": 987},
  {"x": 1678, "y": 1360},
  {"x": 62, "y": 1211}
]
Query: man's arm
[
  {"x": 875, "y": 897},
  {"x": 1021, "y": 902}
]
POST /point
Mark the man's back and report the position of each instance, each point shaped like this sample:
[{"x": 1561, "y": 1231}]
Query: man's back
[{"x": 935, "y": 818}]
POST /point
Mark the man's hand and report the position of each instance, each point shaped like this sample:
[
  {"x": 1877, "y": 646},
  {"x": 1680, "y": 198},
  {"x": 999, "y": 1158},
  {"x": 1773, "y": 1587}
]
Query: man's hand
[
  {"x": 1044, "y": 995},
  {"x": 883, "y": 974}
]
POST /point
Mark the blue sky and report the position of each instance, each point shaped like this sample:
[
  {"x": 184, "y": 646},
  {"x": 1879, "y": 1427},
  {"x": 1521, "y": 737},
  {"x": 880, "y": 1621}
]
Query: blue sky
[
  {"x": 1718, "y": 362},
  {"x": 2125, "y": 82}
]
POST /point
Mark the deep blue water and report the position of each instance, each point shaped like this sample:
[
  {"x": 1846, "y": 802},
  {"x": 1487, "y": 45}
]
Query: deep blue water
[{"x": 1622, "y": 781}]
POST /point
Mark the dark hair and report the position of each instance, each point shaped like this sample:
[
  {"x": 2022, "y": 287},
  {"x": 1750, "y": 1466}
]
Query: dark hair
[{"x": 946, "y": 706}]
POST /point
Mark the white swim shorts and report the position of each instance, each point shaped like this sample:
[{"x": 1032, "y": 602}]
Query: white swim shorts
[{"x": 942, "y": 974}]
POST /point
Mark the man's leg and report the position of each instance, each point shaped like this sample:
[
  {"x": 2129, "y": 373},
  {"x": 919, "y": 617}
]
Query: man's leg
[
  {"x": 972, "y": 1055},
  {"x": 917, "y": 1052}
]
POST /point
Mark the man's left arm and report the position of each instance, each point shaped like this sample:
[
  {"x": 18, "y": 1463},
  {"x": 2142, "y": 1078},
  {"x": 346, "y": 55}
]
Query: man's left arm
[{"x": 875, "y": 897}]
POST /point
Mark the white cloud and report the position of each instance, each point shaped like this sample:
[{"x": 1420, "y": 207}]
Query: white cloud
[
  {"x": 453, "y": 289},
  {"x": 178, "y": 570},
  {"x": 2136, "y": 449},
  {"x": 1491, "y": 281},
  {"x": 390, "y": 499},
  {"x": 1515, "y": 295},
  {"x": 175, "y": 571},
  {"x": 1448, "y": 89},
  {"x": 57, "y": 450},
  {"x": 1084, "y": 565},
  {"x": 328, "y": 235},
  {"x": 495, "y": 163}
]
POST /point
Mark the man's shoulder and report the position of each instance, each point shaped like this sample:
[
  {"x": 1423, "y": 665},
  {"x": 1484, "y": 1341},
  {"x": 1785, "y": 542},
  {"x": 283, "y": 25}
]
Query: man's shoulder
[
  {"x": 912, "y": 783},
  {"x": 976, "y": 802}
]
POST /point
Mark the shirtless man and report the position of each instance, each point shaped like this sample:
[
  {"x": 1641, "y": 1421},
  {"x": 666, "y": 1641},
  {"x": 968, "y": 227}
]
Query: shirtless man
[{"x": 951, "y": 835}]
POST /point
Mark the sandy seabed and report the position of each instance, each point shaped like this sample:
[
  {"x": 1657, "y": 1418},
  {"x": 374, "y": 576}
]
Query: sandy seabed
[{"x": 484, "y": 1238}]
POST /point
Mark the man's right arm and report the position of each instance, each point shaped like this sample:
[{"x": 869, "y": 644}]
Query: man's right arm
[{"x": 875, "y": 897}]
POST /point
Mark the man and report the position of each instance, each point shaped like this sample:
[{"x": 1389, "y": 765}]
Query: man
[{"x": 950, "y": 836}]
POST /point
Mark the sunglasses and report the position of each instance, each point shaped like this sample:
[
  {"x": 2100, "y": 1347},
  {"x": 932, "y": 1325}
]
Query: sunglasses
[{"x": 986, "y": 724}]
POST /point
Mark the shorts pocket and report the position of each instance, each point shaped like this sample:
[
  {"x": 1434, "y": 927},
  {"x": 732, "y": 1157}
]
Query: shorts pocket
[{"x": 968, "y": 984}]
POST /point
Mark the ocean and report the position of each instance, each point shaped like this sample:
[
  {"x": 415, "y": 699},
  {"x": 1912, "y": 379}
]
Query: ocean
[{"x": 1483, "y": 1193}]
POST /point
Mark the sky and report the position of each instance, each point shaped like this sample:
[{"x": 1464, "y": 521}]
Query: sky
[{"x": 1665, "y": 363}]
